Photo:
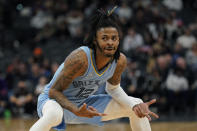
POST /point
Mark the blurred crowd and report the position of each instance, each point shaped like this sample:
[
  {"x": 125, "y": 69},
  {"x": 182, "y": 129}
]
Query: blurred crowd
[{"x": 159, "y": 40}]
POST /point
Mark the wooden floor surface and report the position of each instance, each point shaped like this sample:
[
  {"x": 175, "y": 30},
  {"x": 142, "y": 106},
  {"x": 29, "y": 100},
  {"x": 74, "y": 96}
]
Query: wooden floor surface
[{"x": 25, "y": 124}]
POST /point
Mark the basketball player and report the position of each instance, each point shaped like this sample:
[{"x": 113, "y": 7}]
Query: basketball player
[{"x": 69, "y": 99}]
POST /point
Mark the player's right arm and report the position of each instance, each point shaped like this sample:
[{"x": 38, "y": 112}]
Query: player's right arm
[{"x": 75, "y": 65}]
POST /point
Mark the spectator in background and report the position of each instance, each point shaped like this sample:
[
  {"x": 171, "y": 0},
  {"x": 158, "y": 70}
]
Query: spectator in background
[
  {"x": 11, "y": 72},
  {"x": 45, "y": 68},
  {"x": 60, "y": 8},
  {"x": 139, "y": 20},
  {"x": 74, "y": 19},
  {"x": 132, "y": 40},
  {"x": 156, "y": 5},
  {"x": 40, "y": 86},
  {"x": 62, "y": 31},
  {"x": 187, "y": 39},
  {"x": 178, "y": 51},
  {"x": 37, "y": 56},
  {"x": 173, "y": 4},
  {"x": 54, "y": 67},
  {"x": 154, "y": 87},
  {"x": 191, "y": 58},
  {"x": 160, "y": 47},
  {"x": 35, "y": 73},
  {"x": 22, "y": 99},
  {"x": 157, "y": 71},
  {"x": 41, "y": 18},
  {"x": 45, "y": 33},
  {"x": 124, "y": 12},
  {"x": 22, "y": 71},
  {"x": 193, "y": 26},
  {"x": 130, "y": 79},
  {"x": 171, "y": 27},
  {"x": 162, "y": 65},
  {"x": 177, "y": 87}
]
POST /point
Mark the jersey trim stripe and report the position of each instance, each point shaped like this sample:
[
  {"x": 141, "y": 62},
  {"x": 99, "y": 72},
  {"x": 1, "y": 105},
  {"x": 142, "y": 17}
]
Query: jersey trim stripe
[{"x": 95, "y": 68}]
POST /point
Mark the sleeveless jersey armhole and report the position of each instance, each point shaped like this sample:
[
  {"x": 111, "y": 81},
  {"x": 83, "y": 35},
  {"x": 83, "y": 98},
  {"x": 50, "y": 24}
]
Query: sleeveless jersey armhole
[{"x": 87, "y": 51}]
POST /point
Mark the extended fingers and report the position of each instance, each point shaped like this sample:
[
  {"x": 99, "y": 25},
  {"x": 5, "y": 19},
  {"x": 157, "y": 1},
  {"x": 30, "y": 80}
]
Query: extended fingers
[
  {"x": 151, "y": 102},
  {"x": 89, "y": 112},
  {"x": 142, "y": 110},
  {"x": 91, "y": 108},
  {"x": 153, "y": 114},
  {"x": 148, "y": 116},
  {"x": 96, "y": 113},
  {"x": 92, "y": 114},
  {"x": 84, "y": 106}
]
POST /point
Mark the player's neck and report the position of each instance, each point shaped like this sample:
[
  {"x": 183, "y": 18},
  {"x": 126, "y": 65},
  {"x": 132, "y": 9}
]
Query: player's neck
[{"x": 101, "y": 60}]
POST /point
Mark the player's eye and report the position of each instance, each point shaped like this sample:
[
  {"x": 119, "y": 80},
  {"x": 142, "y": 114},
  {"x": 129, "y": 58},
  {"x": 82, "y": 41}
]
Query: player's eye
[
  {"x": 114, "y": 38},
  {"x": 104, "y": 38}
]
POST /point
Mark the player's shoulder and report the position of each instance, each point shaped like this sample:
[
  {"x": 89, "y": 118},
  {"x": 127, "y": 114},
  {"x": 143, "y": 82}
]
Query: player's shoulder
[
  {"x": 78, "y": 54},
  {"x": 76, "y": 58},
  {"x": 122, "y": 61}
]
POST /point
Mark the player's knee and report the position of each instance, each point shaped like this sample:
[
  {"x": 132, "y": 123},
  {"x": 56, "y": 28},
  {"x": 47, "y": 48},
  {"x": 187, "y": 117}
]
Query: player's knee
[
  {"x": 55, "y": 116},
  {"x": 53, "y": 111}
]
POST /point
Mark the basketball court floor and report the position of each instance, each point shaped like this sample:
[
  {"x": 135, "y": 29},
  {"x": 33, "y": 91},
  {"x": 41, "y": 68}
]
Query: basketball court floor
[{"x": 19, "y": 124}]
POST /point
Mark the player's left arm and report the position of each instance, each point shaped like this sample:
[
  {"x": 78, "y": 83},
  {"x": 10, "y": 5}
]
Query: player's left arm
[
  {"x": 113, "y": 88},
  {"x": 121, "y": 65}
]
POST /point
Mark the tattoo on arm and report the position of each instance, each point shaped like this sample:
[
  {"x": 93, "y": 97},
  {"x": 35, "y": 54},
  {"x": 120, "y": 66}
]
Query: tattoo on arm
[
  {"x": 121, "y": 65},
  {"x": 75, "y": 65}
]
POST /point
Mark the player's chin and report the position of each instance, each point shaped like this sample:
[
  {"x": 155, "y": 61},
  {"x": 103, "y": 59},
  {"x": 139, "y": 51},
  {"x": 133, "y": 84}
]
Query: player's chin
[{"x": 109, "y": 54}]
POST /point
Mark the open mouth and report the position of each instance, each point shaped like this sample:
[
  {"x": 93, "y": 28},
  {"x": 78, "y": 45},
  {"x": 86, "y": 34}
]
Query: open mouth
[{"x": 110, "y": 49}]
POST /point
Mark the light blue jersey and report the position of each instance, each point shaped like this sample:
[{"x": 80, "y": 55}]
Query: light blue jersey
[
  {"x": 84, "y": 86},
  {"x": 81, "y": 91}
]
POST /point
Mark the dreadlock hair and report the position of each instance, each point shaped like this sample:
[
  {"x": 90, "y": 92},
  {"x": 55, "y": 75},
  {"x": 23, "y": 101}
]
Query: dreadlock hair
[{"x": 102, "y": 19}]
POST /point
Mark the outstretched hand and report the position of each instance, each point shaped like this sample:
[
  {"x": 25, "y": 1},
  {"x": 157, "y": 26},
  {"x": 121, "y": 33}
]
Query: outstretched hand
[
  {"x": 88, "y": 112},
  {"x": 142, "y": 110}
]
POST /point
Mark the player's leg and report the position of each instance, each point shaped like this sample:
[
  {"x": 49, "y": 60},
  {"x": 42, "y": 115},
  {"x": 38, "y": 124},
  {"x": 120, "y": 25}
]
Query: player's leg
[
  {"x": 104, "y": 103},
  {"x": 114, "y": 110},
  {"x": 52, "y": 114}
]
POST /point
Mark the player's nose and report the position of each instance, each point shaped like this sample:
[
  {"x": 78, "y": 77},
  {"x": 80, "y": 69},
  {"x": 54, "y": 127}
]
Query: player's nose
[{"x": 110, "y": 42}]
